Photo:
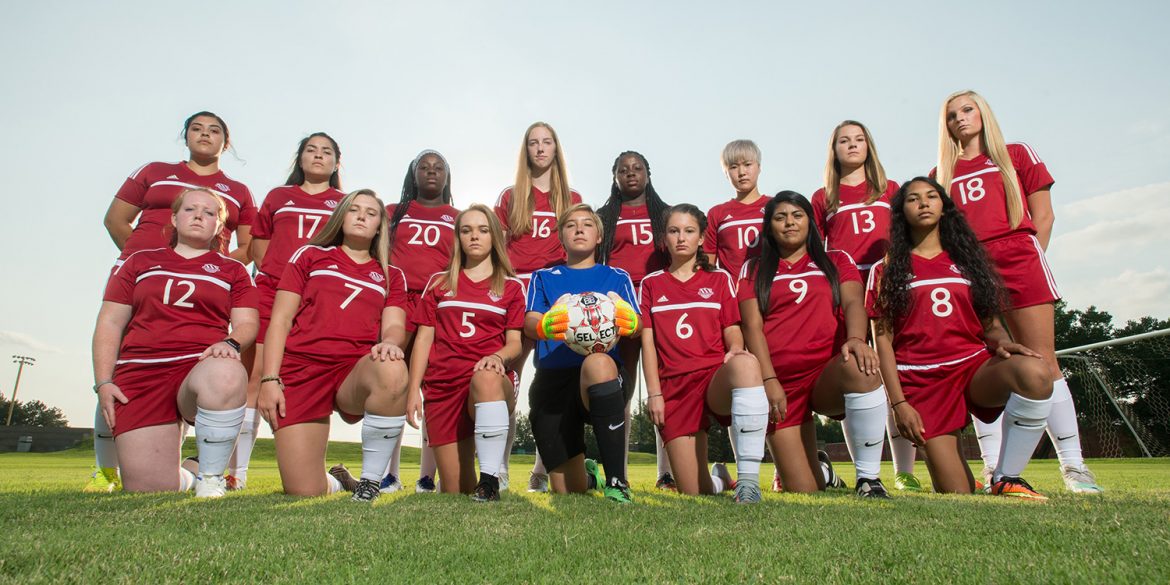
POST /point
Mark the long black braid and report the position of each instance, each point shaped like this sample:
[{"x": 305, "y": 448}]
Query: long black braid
[
  {"x": 410, "y": 190},
  {"x": 765, "y": 266},
  {"x": 958, "y": 240},
  {"x": 655, "y": 209}
]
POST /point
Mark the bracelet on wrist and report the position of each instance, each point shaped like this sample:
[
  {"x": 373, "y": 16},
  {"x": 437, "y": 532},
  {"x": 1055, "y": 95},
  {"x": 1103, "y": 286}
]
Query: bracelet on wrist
[
  {"x": 100, "y": 384},
  {"x": 276, "y": 379},
  {"x": 499, "y": 357},
  {"x": 233, "y": 343},
  {"x": 771, "y": 378},
  {"x": 897, "y": 403},
  {"x": 857, "y": 338},
  {"x": 653, "y": 395}
]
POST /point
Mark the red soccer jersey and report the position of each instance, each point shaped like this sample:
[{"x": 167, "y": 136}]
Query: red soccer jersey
[
  {"x": 733, "y": 233},
  {"x": 859, "y": 229},
  {"x": 423, "y": 242},
  {"x": 540, "y": 247},
  {"x": 634, "y": 249},
  {"x": 288, "y": 219},
  {"x": 688, "y": 318},
  {"x": 468, "y": 326},
  {"x": 181, "y": 305},
  {"x": 941, "y": 326},
  {"x": 341, "y": 301},
  {"x": 802, "y": 327},
  {"x": 978, "y": 191},
  {"x": 154, "y": 187}
]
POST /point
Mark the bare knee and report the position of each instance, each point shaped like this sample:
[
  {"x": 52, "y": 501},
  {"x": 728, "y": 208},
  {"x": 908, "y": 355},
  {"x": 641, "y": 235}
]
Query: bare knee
[
  {"x": 598, "y": 368},
  {"x": 486, "y": 387},
  {"x": 745, "y": 371},
  {"x": 1033, "y": 381},
  {"x": 220, "y": 376},
  {"x": 854, "y": 381},
  {"x": 391, "y": 376}
]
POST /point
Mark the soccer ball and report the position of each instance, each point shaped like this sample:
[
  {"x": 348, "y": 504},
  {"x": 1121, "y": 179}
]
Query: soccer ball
[{"x": 591, "y": 327}]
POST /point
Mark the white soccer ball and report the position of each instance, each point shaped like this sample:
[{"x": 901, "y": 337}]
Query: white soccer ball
[{"x": 591, "y": 326}]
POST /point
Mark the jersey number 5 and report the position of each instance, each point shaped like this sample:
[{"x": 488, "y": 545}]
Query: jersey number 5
[{"x": 467, "y": 328}]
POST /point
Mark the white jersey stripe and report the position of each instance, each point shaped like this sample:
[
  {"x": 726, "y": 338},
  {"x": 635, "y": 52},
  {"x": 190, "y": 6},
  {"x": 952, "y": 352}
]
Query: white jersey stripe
[
  {"x": 469, "y": 305},
  {"x": 336, "y": 274},
  {"x": 680, "y": 306},
  {"x": 976, "y": 173},
  {"x": 217, "y": 282},
  {"x": 931, "y": 281},
  {"x": 191, "y": 186},
  {"x": 857, "y": 206},
  {"x": 755, "y": 222},
  {"x": 1031, "y": 153},
  {"x": 801, "y": 275},
  {"x": 409, "y": 219},
  {"x": 625, "y": 221},
  {"x": 915, "y": 367},
  {"x": 1044, "y": 265},
  {"x": 158, "y": 360},
  {"x": 302, "y": 249},
  {"x": 303, "y": 210}
]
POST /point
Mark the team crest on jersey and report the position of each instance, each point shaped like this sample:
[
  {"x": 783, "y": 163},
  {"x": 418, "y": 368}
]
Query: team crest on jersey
[
  {"x": 494, "y": 297},
  {"x": 447, "y": 218},
  {"x": 955, "y": 269},
  {"x": 376, "y": 276},
  {"x": 223, "y": 187},
  {"x": 330, "y": 203},
  {"x": 212, "y": 268},
  {"x": 706, "y": 293}
]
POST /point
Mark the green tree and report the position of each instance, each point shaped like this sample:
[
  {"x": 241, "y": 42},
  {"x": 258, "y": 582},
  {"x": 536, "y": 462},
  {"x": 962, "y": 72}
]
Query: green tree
[
  {"x": 35, "y": 414},
  {"x": 524, "y": 442}
]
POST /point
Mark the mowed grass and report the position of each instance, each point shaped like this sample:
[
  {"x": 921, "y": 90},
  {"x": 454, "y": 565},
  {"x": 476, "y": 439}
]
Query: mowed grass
[{"x": 51, "y": 532}]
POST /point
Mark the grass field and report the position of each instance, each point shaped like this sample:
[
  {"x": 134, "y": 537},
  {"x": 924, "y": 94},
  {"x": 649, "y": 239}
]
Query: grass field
[{"x": 53, "y": 533}]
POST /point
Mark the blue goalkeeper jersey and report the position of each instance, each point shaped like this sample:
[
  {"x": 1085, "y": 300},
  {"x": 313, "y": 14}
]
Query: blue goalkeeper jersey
[{"x": 550, "y": 283}]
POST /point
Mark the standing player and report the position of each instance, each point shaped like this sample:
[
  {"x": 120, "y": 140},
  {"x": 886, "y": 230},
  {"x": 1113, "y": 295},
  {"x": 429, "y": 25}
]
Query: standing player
[
  {"x": 162, "y": 353},
  {"x": 469, "y": 321},
  {"x": 422, "y": 235},
  {"x": 334, "y": 343},
  {"x": 852, "y": 210},
  {"x": 935, "y": 301},
  {"x": 289, "y": 217},
  {"x": 529, "y": 211},
  {"x": 689, "y": 374},
  {"x": 569, "y": 388},
  {"x": 633, "y": 223},
  {"x": 1005, "y": 192},
  {"x": 804, "y": 318},
  {"x": 148, "y": 195},
  {"x": 733, "y": 228}
]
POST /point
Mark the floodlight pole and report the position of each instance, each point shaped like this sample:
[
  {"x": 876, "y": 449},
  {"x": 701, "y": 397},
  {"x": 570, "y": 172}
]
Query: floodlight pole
[{"x": 23, "y": 360}]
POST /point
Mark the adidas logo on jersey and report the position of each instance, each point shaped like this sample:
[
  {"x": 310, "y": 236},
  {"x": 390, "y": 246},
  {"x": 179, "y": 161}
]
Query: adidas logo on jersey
[
  {"x": 156, "y": 267},
  {"x": 212, "y": 268},
  {"x": 289, "y": 202},
  {"x": 222, "y": 187},
  {"x": 377, "y": 276},
  {"x": 449, "y": 294},
  {"x": 330, "y": 203},
  {"x": 332, "y": 267},
  {"x": 662, "y": 299},
  {"x": 706, "y": 293},
  {"x": 175, "y": 177},
  {"x": 955, "y": 269},
  {"x": 727, "y": 218},
  {"x": 556, "y": 271}
]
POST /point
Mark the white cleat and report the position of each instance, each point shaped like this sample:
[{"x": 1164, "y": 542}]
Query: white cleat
[
  {"x": 537, "y": 482},
  {"x": 503, "y": 475},
  {"x": 1079, "y": 480},
  {"x": 210, "y": 486}
]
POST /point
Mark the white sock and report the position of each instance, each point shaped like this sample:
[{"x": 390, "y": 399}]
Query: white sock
[
  {"x": 392, "y": 466},
  {"x": 104, "y": 452},
  {"x": 717, "y": 484},
  {"x": 749, "y": 427},
  {"x": 865, "y": 417},
  {"x": 990, "y": 437},
  {"x": 245, "y": 443},
  {"x": 511, "y": 439},
  {"x": 186, "y": 480},
  {"x": 332, "y": 484},
  {"x": 215, "y": 437},
  {"x": 379, "y": 436},
  {"x": 901, "y": 449},
  {"x": 660, "y": 453},
  {"x": 1023, "y": 424},
  {"x": 427, "y": 466},
  {"x": 538, "y": 465},
  {"x": 491, "y": 435},
  {"x": 1063, "y": 428}
]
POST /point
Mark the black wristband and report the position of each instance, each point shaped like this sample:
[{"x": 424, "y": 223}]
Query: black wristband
[{"x": 235, "y": 344}]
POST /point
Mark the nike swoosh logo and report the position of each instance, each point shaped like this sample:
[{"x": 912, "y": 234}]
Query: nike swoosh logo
[
  {"x": 210, "y": 442},
  {"x": 873, "y": 444},
  {"x": 491, "y": 436},
  {"x": 105, "y": 436},
  {"x": 617, "y": 426},
  {"x": 751, "y": 430},
  {"x": 981, "y": 437},
  {"x": 390, "y": 436},
  {"x": 1065, "y": 438},
  {"x": 1021, "y": 425}
]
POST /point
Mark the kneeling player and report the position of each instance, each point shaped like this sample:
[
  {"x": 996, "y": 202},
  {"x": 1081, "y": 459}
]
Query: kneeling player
[
  {"x": 935, "y": 301},
  {"x": 333, "y": 343},
  {"x": 568, "y": 388},
  {"x": 690, "y": 375},
  {"x": 162, "y": 354},
  {"x": 469, "y": 322}
]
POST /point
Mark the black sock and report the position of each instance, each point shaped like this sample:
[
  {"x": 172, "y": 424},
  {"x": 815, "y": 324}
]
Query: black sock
[
  {"x": 607, "y": 413},
  {"x": 490, "y": 479}
]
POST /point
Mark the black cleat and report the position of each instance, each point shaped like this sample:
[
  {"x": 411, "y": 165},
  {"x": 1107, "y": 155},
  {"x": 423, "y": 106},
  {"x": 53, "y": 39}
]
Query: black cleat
[
  {"x": 487, "y": 490},
  {"x": 871, "y": 488}
]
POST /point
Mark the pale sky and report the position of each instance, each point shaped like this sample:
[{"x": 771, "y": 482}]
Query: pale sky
[{"x": 93, "y": 91}]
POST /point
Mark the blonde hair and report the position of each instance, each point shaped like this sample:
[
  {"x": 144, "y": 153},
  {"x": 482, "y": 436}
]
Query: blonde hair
[
  {"x": 738, "y": 151},
  {"x": 564, "y": 219},
  {"x": 501, "y": 265},
  {"x": 995, "y": 147},
  {"x": 875, "y": 174},
  {"x": 219, "y": 240},
  {"x": 332, "y": 235},
  {"x": 522, "y": 205}
]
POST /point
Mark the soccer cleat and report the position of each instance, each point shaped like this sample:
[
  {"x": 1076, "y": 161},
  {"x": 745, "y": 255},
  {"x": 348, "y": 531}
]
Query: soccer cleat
[
  {"x": 594, "y": 471},
  {"x": 907, "y": 482},
  {"x": 1079, "y": 480},
  {"x": 503, "y": 477},
  {"x": 720, "y": 470},
  {"x": 537, "y": 482},
  {"x": 618, "y": 491},
  {"x": 747, "y": 491},
  {"x": 424, "y": 485},
  {"x": 832, "y": 480},
  {"x": 367, "y": 491},
  {"x": 986, "y": 475},
  {"x": 1016, "y": 487},
  {"x": 234, "y": 483},
  {"x": 666, "y": 482},
  {"x": 487, "y": 490},
  {"x": 777, "y": 485},
  {"x": 341, "y": 474},
  {"x": 871, "y": 488},
  {"x": 390, "y": 484},
  {"x": 210, "y": 486},
  {"x": 103, "y": 480}
]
